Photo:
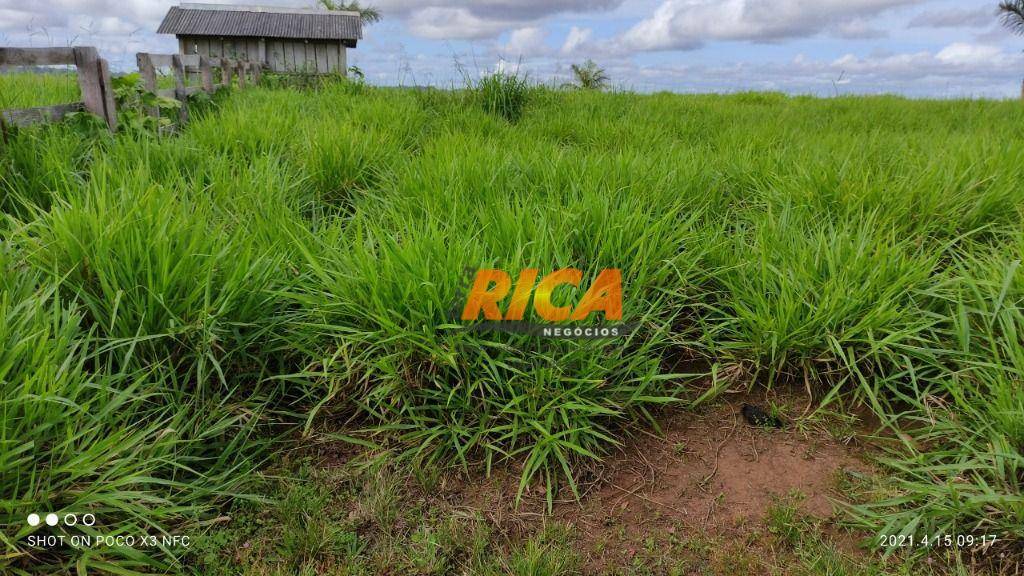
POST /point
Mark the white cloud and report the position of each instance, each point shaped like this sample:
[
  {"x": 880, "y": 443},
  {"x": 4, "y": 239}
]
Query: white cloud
[
  {"x": 453, "y": 23},
  {"x": 515, "y": 10},
  {"x": 106, "y": 25},
  {"x": 963, "y": 54},
  {"x": 138, "y": 13},
  {"x": 474, "y": 19},
  {"x": 956, "y": 70},
  {"x": 687, "y": 24},
  {"x": 858, "y": 29},
  {"x": 526, "y": 42},
  {"x": 958, "y": 59},
  {"x": 575, "y": 39},
  {"x": 14, "y": 19},
  {"x": 118, "y": 28}
]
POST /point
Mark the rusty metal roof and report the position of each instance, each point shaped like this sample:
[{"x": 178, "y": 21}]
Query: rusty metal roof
[{"x": 261, "y": 22}]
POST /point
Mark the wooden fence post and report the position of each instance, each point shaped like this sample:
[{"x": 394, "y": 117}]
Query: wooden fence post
[
  {"x": 94, "y": 83},
  {"x": 109, "y": 105},
  {"x": 206, "y": 74},
  {"x": 148, "y": 73},
  {"x": 97, "y": 92},
  {"x": 257, "y": 72},
  {"x": 225, "y": 71},
  {"x": 180, "y": 93},
  {"x": 241, "y": 73}
]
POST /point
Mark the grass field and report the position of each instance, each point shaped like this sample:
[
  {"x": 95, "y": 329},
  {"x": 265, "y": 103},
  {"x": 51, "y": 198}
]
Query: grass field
[
  {"x": 25, "y": 90},
  {"x": 179, "y": 313}
]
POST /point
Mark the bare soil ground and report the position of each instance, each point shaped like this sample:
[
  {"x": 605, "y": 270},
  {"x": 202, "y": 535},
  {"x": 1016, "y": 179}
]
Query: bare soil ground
[
  {"x": 708, "y": 480},
  {"x": 702, "y": 493}
]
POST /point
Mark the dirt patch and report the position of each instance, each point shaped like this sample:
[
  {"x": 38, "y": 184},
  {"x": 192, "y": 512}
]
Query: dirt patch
[
  {"x": 714, "y": 469},
  {"x": 708, "y": 475},
  {"x": 702, "y": 486}
]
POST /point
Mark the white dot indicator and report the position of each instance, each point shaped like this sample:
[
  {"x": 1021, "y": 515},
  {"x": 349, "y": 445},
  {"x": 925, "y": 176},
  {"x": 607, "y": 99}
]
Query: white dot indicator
[
  {"x": 33, "y": 519},
  {"x": 51, "y": 519}
]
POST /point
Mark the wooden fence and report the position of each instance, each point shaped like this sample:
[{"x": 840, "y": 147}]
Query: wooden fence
[
  {"x": 182, "y": 65},
  {"x": 97, "y": 92},
  {"x": 93, "y": 81}
]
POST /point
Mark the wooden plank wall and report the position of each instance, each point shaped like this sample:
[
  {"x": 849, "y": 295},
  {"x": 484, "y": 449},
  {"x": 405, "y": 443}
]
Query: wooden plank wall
[
  {"x": 247, "y": 49},
  {"x": 318, "y": 57}
]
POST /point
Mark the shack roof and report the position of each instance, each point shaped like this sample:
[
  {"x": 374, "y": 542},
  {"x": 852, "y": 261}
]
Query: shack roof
[{"x": 261, "y": 22}]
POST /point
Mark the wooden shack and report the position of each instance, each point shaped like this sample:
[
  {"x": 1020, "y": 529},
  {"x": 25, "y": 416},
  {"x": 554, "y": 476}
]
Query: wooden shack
[{"x": 307, "y": 40}]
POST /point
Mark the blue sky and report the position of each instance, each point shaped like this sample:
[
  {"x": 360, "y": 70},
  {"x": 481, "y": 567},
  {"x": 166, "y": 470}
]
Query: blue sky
[{"x": 937, "y": 48}]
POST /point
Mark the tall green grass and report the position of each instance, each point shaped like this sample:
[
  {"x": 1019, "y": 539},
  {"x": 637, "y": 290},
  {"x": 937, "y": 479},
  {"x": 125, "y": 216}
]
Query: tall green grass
[
  {"x": 173, "y": 304},
  {"x": 83, "y": 432},
  {"x": 504, "y": 94},
  {"x": 960, "y": 466},
  {"x": 26, "y": 89}
]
